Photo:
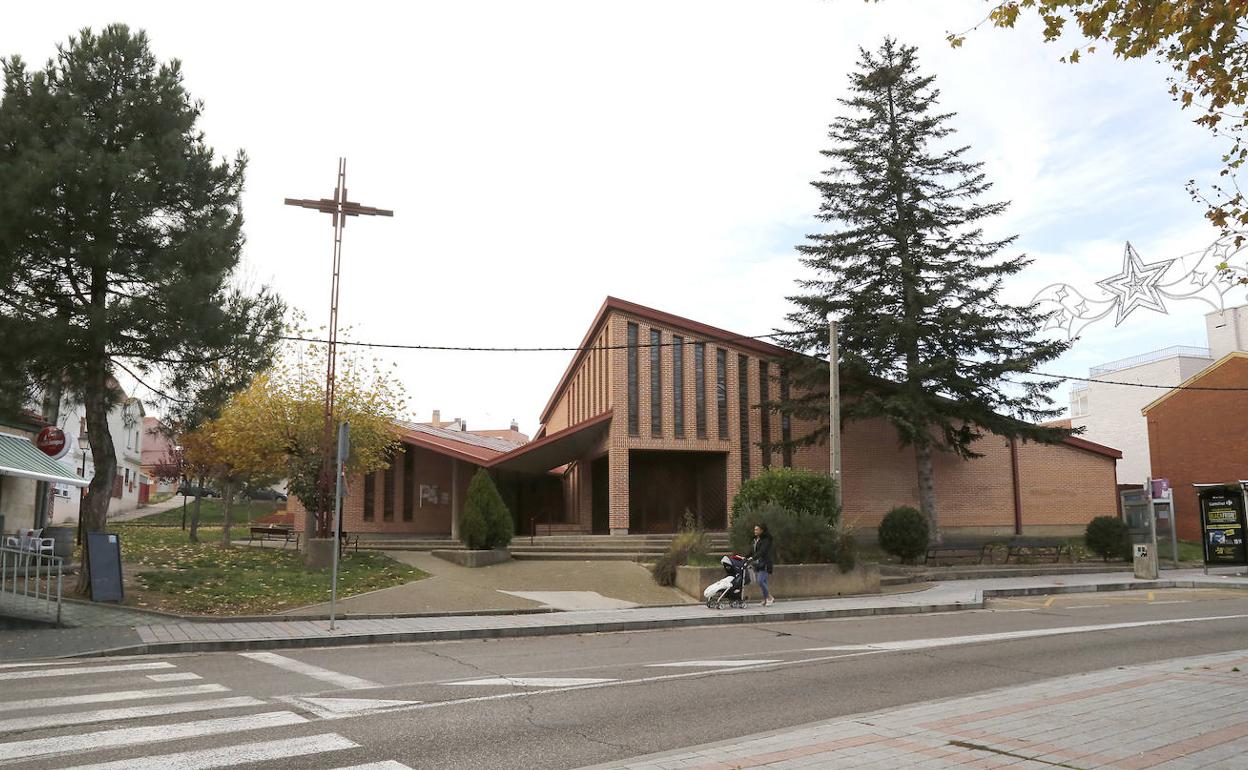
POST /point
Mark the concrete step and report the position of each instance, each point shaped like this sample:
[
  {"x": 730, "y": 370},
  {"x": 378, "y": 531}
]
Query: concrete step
[{"x": 582, "y": 556}]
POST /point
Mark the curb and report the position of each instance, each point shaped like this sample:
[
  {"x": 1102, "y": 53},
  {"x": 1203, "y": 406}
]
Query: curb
[{"x": 727, "y": 618}]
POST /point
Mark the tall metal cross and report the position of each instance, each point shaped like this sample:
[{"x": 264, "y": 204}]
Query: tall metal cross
[{"x": 339, "y": 207}]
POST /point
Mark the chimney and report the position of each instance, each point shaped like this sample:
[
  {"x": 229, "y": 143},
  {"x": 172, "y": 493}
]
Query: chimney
[
  {"x": 463, "y": 425},
  {"x": 515, "y": 426},
  {"x": 437, "y": 418}
]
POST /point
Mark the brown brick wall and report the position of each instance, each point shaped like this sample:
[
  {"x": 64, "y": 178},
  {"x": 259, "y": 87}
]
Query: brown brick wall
[{"x": 1201, "y": 437}]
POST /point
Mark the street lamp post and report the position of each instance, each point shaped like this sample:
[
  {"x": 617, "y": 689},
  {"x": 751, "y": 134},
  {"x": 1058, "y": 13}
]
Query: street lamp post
[{"x": 834, "y": 408}]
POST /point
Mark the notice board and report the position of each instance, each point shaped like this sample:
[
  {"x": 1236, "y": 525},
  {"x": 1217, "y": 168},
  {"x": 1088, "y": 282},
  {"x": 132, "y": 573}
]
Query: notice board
[
  {"x": 104, "y": 553},
  {"x": 1222, "y": 526}
]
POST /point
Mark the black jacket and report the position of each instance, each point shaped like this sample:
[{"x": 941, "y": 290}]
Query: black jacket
[{"x": 762, "y": 554}]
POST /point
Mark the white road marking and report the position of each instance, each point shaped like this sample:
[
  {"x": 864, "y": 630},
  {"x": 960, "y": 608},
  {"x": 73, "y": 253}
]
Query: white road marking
[
  {"x": 1021, "y": 609},
  {"x": 115, "y": 715},
  {"x": 711, "y": 663},
  {"x": 110, "y": 697},
  {"x": 33, "y": 663},
  {"x": 528, "y": 681},
  {"x": 1174, "y": 601},
  {"x": 184, "y": 676},
  {"x": 230, "y": 756},
  {"x": 954, "y": 641},
  {"x": 344, "y": 681},
  {"x": 1085, "y": 606},
  {"x": 389, "y": 764},
  {"x": 136, "y": 736},
  {"x": 338, "y": 708},
  {"x": 44, "y": 672}
]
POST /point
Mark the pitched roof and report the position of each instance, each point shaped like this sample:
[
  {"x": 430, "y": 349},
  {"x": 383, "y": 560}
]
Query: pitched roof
[
  {"x": 1190, "y": 381},
  {"x": 468, "y": 446},
  {"x": 696, "y": 328}
]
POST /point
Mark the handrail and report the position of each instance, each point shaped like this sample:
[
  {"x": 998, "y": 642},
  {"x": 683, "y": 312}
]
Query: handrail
[{"x": 32, "y": 590}]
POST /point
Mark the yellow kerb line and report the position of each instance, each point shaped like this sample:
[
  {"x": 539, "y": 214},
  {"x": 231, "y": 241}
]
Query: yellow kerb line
[
  {"x": 1151, "y": 595},
  {"x": 1049, "y": 601}
]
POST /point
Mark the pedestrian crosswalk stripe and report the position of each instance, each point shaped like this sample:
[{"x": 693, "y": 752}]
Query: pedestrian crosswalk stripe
[
  {"x": 389, "y": 764},
  {"x": 181, "y": 676},
  {"x": 45, "y": 672},
  {"x": 345, "y": 681},
  {"x": 116, "y": 715},
  {"x": 338, "y": 708},
  {"x": 137, "y": 736},
  {"x": 711, "y": 663},
  {"x": 110, "y": 697},
  {"x": 231, "y": 756},
  {"x": 527, "y": 681}
]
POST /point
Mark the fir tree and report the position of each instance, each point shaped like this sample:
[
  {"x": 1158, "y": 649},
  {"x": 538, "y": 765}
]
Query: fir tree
[
  {"x": 485, "y": 522},
  {"x": 925, "y": 340},
  {"x": 119, "y": 236}
]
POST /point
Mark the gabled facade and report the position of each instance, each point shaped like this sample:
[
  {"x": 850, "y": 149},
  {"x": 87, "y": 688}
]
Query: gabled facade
[
  {"x": 657, "y": 417},
  {"x": 1198, "y": 434}
]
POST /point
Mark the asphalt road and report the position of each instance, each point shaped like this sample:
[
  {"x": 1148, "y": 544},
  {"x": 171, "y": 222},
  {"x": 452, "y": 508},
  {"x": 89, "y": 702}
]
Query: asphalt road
[{"x": 561, "y": 702}]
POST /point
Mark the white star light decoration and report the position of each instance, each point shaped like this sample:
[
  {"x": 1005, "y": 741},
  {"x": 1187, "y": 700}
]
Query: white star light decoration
[
  {"x": 1136, "y": 285},
  {"x": 1146, "y": 285}
]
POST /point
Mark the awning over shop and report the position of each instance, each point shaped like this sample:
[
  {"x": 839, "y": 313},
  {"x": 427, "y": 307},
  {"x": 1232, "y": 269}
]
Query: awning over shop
[
  {"x": 19, "y": 457},
  {"x": 556, "y": 449}
]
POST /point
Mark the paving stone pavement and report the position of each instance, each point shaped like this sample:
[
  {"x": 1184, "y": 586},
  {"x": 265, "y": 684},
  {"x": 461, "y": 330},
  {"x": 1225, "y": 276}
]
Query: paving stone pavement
[{"x": 1184, "y": 714}]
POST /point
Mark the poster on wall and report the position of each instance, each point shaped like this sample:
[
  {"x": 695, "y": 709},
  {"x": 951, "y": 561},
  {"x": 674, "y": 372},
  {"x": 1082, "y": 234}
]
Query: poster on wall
[{"x": 1222, "y": 526}]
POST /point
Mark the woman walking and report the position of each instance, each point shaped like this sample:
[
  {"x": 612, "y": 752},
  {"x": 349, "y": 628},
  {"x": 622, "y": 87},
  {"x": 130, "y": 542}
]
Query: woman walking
[{"x": 762, "y": 556}]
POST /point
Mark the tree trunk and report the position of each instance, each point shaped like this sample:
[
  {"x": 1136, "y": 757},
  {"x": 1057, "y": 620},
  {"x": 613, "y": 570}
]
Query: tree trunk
[
  {"x": 93, "y": 512},
  {"x": 227, "y": 506},
  {"x": 194, "y": 536},
  {"x": 927, "y": 488}
]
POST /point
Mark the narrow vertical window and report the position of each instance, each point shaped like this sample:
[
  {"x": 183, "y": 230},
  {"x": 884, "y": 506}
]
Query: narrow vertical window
[
  {"x": 743, "y": 402},
  {"x": 786, "y": 422},
  {"x": 370, "y": 494},
  {"x": 656, "y": 384},
  {"x": 409, "y": 483},
  {"x": 764, "y": 412},
  {"x": 678, "y": 386},
  {"x": 634, "y": 419},
  {"x": 721, "y": 392},
  {"x": 699, "y": 387},
  {"x": 387, "y": 492}
]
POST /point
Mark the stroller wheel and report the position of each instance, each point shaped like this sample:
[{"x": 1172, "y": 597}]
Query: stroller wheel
[{"x": 710, "y": 604}]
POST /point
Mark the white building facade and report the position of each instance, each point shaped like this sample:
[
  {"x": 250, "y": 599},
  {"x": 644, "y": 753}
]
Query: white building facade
[
  {"x": 125, "y": 423},
  {"x": 1111, "y": 414}
]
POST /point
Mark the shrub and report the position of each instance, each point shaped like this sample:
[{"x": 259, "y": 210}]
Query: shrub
[
  {"x": 687, "y": 545},
  {"x": 1108, "y": 537},
  {"x": 485, "y": 521},
  {"x": 904, "y": 534},
  {"x": 789, "y": 488},
  {"x": 798, "y": 537}
]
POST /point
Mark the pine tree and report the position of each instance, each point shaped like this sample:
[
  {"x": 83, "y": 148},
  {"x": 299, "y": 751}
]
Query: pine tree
[
  {"x": 119, "y": 236},
  {"x": 925, "y": 340}
]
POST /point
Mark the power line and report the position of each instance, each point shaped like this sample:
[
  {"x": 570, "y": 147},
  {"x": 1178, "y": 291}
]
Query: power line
[{"x": 773, "y": 335}]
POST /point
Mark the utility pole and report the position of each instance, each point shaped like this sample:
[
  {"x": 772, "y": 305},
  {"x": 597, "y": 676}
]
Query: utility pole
[{"x": 834, "y": 407}]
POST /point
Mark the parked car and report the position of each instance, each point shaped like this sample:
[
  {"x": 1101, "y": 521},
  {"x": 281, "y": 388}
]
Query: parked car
[
  {"x": 191, "y": 490},
  {"x": 264, "y": 493}
]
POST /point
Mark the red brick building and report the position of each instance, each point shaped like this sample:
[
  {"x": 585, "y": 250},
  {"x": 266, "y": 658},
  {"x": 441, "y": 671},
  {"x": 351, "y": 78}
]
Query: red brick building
[
  {"x": 1200, "y": 436},
  {"x": 658, "y": 414}
]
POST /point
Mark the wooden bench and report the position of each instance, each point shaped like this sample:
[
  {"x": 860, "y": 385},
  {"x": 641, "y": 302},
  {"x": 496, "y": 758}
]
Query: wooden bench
[
  {"x": 977, "y": 551},
  {"x": 1035, "y": 548},
  {"x": 285, "y": 534}
]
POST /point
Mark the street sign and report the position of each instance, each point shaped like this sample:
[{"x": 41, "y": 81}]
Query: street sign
[
  {"x": 1222, "y": 526},
  {"x": 52, "y": 442}
]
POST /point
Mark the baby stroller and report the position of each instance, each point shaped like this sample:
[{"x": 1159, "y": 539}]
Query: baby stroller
[{"x": 730, "y": 587}]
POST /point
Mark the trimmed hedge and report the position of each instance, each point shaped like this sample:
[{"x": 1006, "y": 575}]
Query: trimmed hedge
[
  {"x": 793, "y": 489},
  {"x": 1108, "y": 537},
  {"x": 798, "y": 537},
  {"x": 904, "y": 534}
]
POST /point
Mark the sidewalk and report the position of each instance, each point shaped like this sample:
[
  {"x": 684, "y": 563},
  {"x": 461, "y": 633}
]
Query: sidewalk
[
  {"x": 166, "y": 635},
  {"x": 1184, "y": 714}
]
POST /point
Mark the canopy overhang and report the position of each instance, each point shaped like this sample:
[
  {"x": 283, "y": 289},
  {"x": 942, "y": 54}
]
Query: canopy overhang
[
  {"x": 20, "y": 458},
  {"x": 557, "y": 449}
]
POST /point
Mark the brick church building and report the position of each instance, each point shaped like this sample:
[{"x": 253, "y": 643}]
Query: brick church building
[{"x": 658, "y": 414}]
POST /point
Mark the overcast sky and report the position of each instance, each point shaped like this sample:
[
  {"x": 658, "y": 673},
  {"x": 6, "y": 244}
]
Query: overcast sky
[{"x": 542, "y": 155}]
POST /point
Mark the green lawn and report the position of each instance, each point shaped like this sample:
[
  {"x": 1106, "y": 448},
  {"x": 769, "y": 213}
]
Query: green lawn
[
  {"x": 212, "y": 513},
  {"x": 165, "y": 572}
]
